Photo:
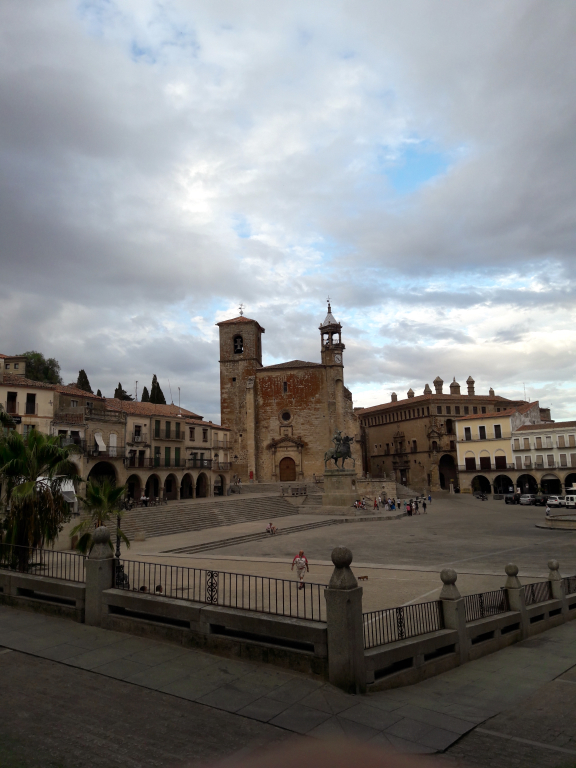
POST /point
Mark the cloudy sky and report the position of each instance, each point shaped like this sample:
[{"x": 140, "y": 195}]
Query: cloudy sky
[{"x": 162, "y": 161}]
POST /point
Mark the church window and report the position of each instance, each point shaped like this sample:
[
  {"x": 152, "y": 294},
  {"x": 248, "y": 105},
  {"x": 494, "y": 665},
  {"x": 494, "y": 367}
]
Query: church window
[
  {"x": 438, "y": 409},
  {"x": 285, "y": 387},
  {"x": 427, "y": 410},
  {"x": 286, "y": 416},
  {"x": 483, "y": 409},
  {"x": 233, "y": 378},
  {"x": 238, "y": 345},
  {"x": 474, "y": 409},
  {"x": 434, "y": 445},
  {"x": 457, "y": 410},
  {"x": 466, "y": 410},
  {"x": 448, "y": 409}
]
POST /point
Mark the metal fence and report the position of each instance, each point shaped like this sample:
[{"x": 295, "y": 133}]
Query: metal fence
[
  {"x": 281, "y": 597},
  {"x": 569, "y": 585},
  {"x": 485, "y": 604},
  {"x": 537, "y": 592},
  {"x": 391, "y": 624},
  {"x": 67, "y": 566}
]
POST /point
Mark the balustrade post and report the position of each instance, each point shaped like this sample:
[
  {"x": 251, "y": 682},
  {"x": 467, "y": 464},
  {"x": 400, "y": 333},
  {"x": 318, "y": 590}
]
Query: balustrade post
[
  {"x": 99, "y": 575},
  {"x": 516, "y": 597},
  {"x": 346, "y": 665},
  {"x": 556, "y": 586},
  {"x": 454, "y": 611}
]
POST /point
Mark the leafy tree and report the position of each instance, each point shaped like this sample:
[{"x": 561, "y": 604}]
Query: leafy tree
[
  {"x": 33, "y": 469},
  {"x": 156, "y": 394},
  {"x": 5, "y": 419},
  {"x": 104, "y": 501},
  {"x": 98, "y": 394},
  {"x": 39, "y": 368},
  {"x": 83, "y": 382},
  {"x": 121, "y": 394},
  {"x": 145, "y": 395}
]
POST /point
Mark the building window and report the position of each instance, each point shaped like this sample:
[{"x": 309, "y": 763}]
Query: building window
[
  {"x": 168, "y": 429},
  {"x": 485, "y": 462},
  {"x": 204, "y": 435},
  {"x": 497, "y": 431},
  {"x": 539, "y": 460},
  {"x": 527, "y": 461},
  {"x": 466, "y": 410},
  {"x": 156, "y": 429},
  {"x": 550, "y": 459},
  {"x": 414, "y": 446},
  {"x": 74, "y": 403},
  {"x": 238, "y": 345},
  {"x": 30, "y": 404},
  {"x": 457, "y": 410},
  {"x": 176, "y": 457},
  {"x": 7, "y": 366},
  {"x": 467, "y": 433},
  {"x": 571, "y": 440},
  {"x": 286, "y": 416},
  {"x": 167, "y": 456},
  {"x": 285, "y": 387},
  {"x": 518, "y": 462},
  {"x": 573, "y": 459},
  {"x": 438, "y": 409},
  {"x": 497, "y": 410},
  {"x": 538, "y": 442},
  {"x": 500, "y": 462},
  {"x": 563, "y": 460},
  {"x": 561, "y": 441},
  {"x": 448, "y": 410},
  {"x": 526, "y": 443},
  {"x": 177, "y": 429},
  {"x": 516, "y": 443},
  {"x": 27, "y": 428},
  {"x": 434, "y": 445},
  {"x": 470, "y": 462},
  {"x": 548, "y": 441},
  {"x": 475, "y": 409},
  {"x": 449, "y": 427},
  {"x": 483, "y": 409},
  {"x": 192, "y": 434},
  {"x": 452, "y": 445},
  {"x": 157, "y": 455},
  {"x": 427, "y": 410},
  {"x": 482, "y": 433}
]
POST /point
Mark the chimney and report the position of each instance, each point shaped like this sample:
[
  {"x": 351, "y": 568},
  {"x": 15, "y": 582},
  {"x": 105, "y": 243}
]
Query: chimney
[
  {"x": 410, "y": 392},
  {"x": 454, "y": 387},
  {"x": 427, "y": 390},
  {"x": 438, "y": 383},
  {"x": 491, "y": 392},
  {"x": 394, "y": 397},
  {"x": 470, "y": 382}
]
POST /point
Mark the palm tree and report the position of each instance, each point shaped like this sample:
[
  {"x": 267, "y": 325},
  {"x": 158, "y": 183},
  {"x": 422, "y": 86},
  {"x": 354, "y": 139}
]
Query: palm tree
[
  {"x": 33, "y": 469},
  {"x": 5, "y": 420},
  {"x": 103, "y": 501}
]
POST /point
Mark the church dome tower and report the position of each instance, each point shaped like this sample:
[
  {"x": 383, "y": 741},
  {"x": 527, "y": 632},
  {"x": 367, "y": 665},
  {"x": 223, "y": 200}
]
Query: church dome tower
[{"x": 331, "y": 339}]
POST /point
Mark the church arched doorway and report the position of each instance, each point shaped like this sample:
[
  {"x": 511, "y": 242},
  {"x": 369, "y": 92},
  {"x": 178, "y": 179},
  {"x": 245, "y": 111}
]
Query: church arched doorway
[{"x": 287, "y": 469}]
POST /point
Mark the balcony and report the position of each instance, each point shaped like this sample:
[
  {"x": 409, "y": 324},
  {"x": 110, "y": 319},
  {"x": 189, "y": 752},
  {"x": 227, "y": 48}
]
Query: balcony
[
  {"x": 160, "y": 462},
  {"x": 80, "y": 414},
  {"x": 140, "y": 439},
  {"x": 163, "y": 434},
  {"x": 12, "y": 408},
  {"x": 223, "y": 466},
  {"x": 491, "y": 468},
  {"x": 199, "y": 463},
  {"x": 220, "y": 444}
]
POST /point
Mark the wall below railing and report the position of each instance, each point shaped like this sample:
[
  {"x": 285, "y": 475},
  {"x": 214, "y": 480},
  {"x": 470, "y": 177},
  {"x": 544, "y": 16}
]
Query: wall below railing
[{"x": 40, "y": 593}]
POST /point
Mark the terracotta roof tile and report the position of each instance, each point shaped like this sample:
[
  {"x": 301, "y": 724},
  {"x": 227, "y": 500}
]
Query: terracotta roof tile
[
  {"x": 197, "y": 422},
  {"x": 548, "y": 425},
  {"x": 493, "y": 414},
  {"x": 149, "y": 409},
  {"x": 433, "y": 398},
  {"x": 72, "y": 390},
  {"x": 291, "y": 364},
  {"x": 20, "y": 381},
  {"x": 241, "y": 319}
]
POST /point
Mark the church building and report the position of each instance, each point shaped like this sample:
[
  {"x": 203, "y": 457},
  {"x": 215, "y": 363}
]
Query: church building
[{"x": 283, "y": 417}]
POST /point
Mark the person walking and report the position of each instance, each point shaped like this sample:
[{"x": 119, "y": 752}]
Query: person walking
[
  {"x": 302, "y": 567},
  {"x": 409, "y": 509},
  {"x": 429, "y": 498},
  {"x": 424, "y": 507},
  {"x": 376, "y": 503}
]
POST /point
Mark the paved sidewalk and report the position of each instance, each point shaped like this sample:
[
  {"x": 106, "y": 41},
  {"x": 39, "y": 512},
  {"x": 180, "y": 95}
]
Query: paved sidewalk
[{"x": 423, "y": 718}]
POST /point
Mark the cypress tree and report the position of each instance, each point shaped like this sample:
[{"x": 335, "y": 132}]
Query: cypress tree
[
  {"x": 83, "y": 382},
  {"x": 156, "y": 394},
  {"x": 98, "y": 393},
  {"x": 121, "y": 394},
  {"x": 145, "y": 395}
]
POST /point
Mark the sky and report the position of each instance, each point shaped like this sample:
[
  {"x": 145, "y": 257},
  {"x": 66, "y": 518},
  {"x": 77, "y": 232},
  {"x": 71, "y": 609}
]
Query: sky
[{"x": 164, "y": 161}]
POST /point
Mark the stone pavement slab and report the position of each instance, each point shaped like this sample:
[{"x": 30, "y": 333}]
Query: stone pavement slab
[{"x": 429, "y": 716}]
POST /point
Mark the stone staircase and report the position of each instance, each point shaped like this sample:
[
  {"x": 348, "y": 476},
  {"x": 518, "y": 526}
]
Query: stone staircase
[
  {"x": 248, "y": 537},
  {"x": 197, "y": 514}
]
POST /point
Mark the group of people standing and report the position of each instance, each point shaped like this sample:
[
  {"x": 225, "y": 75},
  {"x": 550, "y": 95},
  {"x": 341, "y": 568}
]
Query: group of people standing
[{"x": 411, "y": 507}]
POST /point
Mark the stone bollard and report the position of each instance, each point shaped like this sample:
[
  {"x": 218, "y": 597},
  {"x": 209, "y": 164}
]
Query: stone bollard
[
  {"x": 99, "y": 575},
  {"x": 454, "y": 611},
  {"x": 516, "y": 599},
  {"x": 346, "y": 666},
  {"x": 556, "y": 586}
]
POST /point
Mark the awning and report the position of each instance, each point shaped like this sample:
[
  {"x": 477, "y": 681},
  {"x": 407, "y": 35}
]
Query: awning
[
  {"x": 100, "y": 443},
  {"x": 69, "y": 496}
]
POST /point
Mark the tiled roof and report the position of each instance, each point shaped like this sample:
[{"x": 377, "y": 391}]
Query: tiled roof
[
  {"x": 493, "y": 414},
  {"x": 149, "y": 409},
  {"x": 3, "y": 356},
  {"x": 435, "y": 398},
  {"x": 291, "y": 364},
  {"x": 196, "y": 422},
  {"x": 20, "y": 381},
  {"x": 548, "y": 425},
  {"x": 241, "y": 319},
  {"x": 71, "y": 389}
]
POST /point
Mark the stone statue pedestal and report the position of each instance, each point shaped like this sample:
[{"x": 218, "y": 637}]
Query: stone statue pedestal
[{"x": 339, "y": 488}]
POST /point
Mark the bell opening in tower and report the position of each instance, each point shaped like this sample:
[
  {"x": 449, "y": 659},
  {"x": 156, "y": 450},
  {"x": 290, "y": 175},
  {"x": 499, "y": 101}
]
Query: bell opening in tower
[{"x": 238, "y": 345}]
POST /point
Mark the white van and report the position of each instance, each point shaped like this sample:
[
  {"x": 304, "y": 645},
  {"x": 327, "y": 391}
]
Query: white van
[{"x": 570, "y": 500}]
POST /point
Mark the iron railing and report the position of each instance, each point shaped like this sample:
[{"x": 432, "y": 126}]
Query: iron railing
[
  {"x": 281, "y": 597},
  {"x": 538, "y": 592},
  {"x": 67, "y": 566},
  {"x": 391, "y": 624},
  {"x": 569, "y": 585},
  {"x": 485, "y": 604}
]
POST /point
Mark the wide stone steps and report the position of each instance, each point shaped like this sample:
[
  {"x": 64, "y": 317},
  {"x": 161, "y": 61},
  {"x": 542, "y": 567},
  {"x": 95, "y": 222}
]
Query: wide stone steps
[
  {"x": 248, "y": 537},
  {"x": 195, "y": 515}
]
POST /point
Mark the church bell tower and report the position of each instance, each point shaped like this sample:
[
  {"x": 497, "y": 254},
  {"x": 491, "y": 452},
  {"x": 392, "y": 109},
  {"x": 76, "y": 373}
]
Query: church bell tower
[{"x": 331, "y": 337}]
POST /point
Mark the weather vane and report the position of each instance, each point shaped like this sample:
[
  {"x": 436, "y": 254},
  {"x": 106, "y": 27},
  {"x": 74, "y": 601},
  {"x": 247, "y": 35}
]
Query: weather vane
[{"x": 241, "y": 308}]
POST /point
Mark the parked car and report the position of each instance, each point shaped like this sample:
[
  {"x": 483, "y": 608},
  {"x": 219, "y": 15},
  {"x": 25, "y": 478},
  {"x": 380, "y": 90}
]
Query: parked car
[
  {"x": 512, "y": 498},
  {"x": 556, "y": 501},
  {"x": 540, "y": 500},
  {"x": 528, "y": 498},
  {"x": 570, "y": 501}
]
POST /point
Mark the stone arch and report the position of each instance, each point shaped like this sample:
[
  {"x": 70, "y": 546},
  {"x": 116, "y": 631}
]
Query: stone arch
[
  {"x": 503, "y": 484},
  {"x": 527, "y": 484},
  {"x": 570, "y": 480},
  {"x": 152, "y": 488},
  {"x": 201, "y": 486},
  {"x": 171, "y": 486},
  {"x": 481, "y": 484},
  {"x": 219, "y": 485},
  {"x": 134, "y": 485},
  {"x": 187, "y": 487},
  {"x": 447, "y": 471},
  {"x": 103, "y": 470},
  {"x": 287, "y": 469},
  {"x": 550, "y": 484}
]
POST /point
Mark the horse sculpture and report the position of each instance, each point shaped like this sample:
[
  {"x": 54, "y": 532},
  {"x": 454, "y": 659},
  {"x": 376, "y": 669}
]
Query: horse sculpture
[{"x": 340, "y": 451}]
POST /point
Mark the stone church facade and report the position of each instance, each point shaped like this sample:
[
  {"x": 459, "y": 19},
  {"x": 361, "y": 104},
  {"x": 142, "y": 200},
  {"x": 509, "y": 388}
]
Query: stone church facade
[{"x": 283, "y": 417}]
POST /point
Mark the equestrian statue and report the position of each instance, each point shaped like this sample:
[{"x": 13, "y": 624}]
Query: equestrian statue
[{"x": 341, "y": 450}]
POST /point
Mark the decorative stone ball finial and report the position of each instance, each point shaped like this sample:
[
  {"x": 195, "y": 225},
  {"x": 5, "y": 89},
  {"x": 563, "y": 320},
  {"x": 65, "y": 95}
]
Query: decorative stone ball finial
[
  {"x": 342, "y": 577},
  {"x": 554, "y": 567},
  {"x": 449, "y": 590},
  {"x": 512, "y": 582},
  {"x": 101, "y": 544}
]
